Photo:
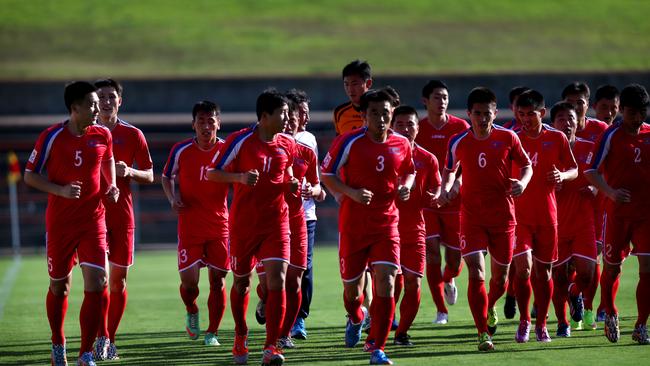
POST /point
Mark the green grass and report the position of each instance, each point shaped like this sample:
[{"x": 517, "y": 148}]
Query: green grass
[
  {"x": 205, "y": 38},
  {"x": 152, "y": 331}
]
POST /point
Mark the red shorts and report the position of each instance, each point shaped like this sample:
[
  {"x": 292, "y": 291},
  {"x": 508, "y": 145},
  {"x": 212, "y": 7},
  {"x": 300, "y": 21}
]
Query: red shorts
[
  {"x": 372, "y": 249},
  {"x": 246, "y": 249},
  {"x": 541, "y": 240},
  {"x": 120, "y": 244},
  {"x": 498, "y": 240},
  {"x": 618, "y": 235},
  {"x": 298, "y": 256},
  {"x": 413, "y": 252},
  {"x": 88, "y": 247},
  {"x": 444, "y": 225},
  {"x": 211, "y": 252},
  {"x": 575, "y": 241}
]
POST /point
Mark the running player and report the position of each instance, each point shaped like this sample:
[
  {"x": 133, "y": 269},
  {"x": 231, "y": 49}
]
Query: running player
[
  {"x": 202, "y": 219},
  {"x": 621, "y": 170},
  {"x": 515, "y": 123},
  {"x": 258, "y": 161},
  {"x": 412, "y": 228},
  {"x": 363, "y": 169},
  {"x": 576, "y": 236},
  {"x": 486, "y": 154},
  {"x": 443, "y": 222},
  {"x": 68, "y": 162},
  {"x": 357, "y": 79},
  {"x": 129, "y": 147},
  {"x": 606, "y": 103}
]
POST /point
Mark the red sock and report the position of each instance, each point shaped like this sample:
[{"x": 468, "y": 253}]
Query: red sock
[
  {"x": 642, "y": 291},
  {"x": 477, "y": 298},
  {"x": 399, "y": 285},
  {"x": 294, "y": 300},
  {"x": 353, "y": 307},
  {"x": 103, "y": 320},
  {"x": 608, "y": 287},
  {"x": 408, "y": 309},
  {"x": 510, "y": 287},
  {"x": 89, "y": 318},
  {"x": 523, "y": 292},
  {"x": 574, "y": 290},
  {"x": 276, "y": 306},
  {"x": 590, "y": 292},
  {"x": 434, "y": 278},
  {"x": 384, "y": 308},
  {"x": 496, "y": 291},
  {"x": 560, "y": 297},
  {"x": 189, "y": 296},
  {"x": 239, "y": 305},
  {"x": 115, "y": 312},
  {"x": 451, "y": 273},
  {"x": 543, "y": 293},
  {"x": 56, "y": 307},
  {"x": 216, "y": 308}
]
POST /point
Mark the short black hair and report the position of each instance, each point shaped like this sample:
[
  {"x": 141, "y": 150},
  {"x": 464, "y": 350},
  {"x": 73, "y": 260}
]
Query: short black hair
[
  {"x": 480, "y": 94},
  {"x": 108, "y": 82},
  {"x": 634, "y": 96},
  {"x": 358, "y": 67},
  {"x": 606, "y": 92},
  {"x": 531, "y": 98},
  {"x": 405, "y": 110},
  {"x": 205, "y": 106},
  {"x": 374, "y": 95},
  {"x": 269, "y": 101},
  {"x": 430, "y": 86},
  {"x": 75, "y": 91},
  {"x": 297, "y": 96},
  {"x": 516, "y": 92},
  {"x": 561, "y": 107},
  {"x": 576, "y": 87},
  {"x": 394, "y": 94}
]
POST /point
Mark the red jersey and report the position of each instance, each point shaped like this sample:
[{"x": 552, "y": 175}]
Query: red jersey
[
  {"x": 362, "y": 163},
  {"x": 593, "y": 130},
  {"x": 305, "y": 166},
  {"x": 347, "y": 117},
  {"x": 574, "y": 199},
  {"x": 513, "y": 124},
  {"x": 436, "y": 140},
  {"x": 129, "y": 146},
  {"x": 427, "y": 178},
  {"x": 261, "y": 207},
  {"x": 487, "y": 167},
  {"x": 206, "y": 211},
  {"x": 67, "y": 158},
  {"x": 624, "y": 160},
  {"x": 537, "y": 205}
]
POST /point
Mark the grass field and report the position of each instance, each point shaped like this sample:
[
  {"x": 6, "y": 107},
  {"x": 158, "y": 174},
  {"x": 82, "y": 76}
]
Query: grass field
[
  {"x": 152, "y": 331},
  {"x": 66, "y": 39}
]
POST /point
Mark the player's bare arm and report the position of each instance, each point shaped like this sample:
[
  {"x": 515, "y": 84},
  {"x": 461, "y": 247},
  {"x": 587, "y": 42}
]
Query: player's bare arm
[
  {"x": 248, "y": 178},
  {"x": 292, "y": 184},
  {"x": 517, "y": 186},
  {"x": 122, "y": 170},
  {"x": 620, "y": 195},
  {"x": 174, "y": 201},
  {"x": 556, "y": 176},
  {"x": 71, "y": 190},
  {"x": 108, "y": 172},
  {"x": 448, "y": 181},
  {"x": 360, "y": 195}
]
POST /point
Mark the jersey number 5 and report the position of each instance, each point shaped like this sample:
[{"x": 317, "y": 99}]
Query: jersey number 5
[{"x": 77, "y": 158}]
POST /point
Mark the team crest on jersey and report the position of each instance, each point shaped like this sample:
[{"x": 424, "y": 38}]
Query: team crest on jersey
[
  {"x": 93, "y": 143},
  {"x": 394, "y": 150},
  {"x": 496, "y": 144},
  {"x": 646, "y": 141},
  {"x": 280, "y": 151},
  {"x": 437, "y": 136},
  {"x": 118, "y": 141},
  {"x": 32, "y": 157},
  {"x": 547, "y": 144},
  {"x": 419, "y": 164}
]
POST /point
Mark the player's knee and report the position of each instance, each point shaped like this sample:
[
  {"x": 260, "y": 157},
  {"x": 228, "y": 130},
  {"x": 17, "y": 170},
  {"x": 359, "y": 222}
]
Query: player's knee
[
  {"x": 523, "y": 273},
  {"x": 118, "y": 285},
  {"x": 60, "y": 288}
]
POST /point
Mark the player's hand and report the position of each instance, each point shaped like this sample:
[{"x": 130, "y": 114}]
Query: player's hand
[
  {"x": 122, "y": 170},
  {"x": 403, "y": 192},
  {"x": 554, "y": 175},
  {"x": 113, "y": 193},
  {"x": 177, "y": 204},
  {"x": 250, "y": 178},
  {"x": 443, "y": 200},
  {"x": 293, "y": 184},
  {"x": 321, "y": 196},
  {"x": 454, "y": 191},
  {"x": 430, "y": 199},
  {"x": 307, "y": 191},
  {"x": 621, "y": 195},
  {"x": 516, "y": 188},
  {"x": 362, "y": 196},
  {"x": 71, "y": 190}
]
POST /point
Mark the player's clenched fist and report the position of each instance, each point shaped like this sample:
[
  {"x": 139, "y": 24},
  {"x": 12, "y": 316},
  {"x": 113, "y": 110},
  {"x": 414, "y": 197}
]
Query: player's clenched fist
[
  {"x": 293, "y": 184},
  {"x": 403, "y": 192},
  {"x": 362, "y": 196},
  {"x": 516, "y": 188},
  {"x": 251, "y": 177},
  {"x": 122, "y": 170},
  {"x": 71, "y": 190},
  {"x": 113, "y": 193}
]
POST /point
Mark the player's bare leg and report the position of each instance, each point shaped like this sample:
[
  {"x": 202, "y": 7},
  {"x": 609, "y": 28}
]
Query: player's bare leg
[
  {"x": 57, "y": 306},
  {"x": 294, "y": 299},
  {"x": 216, "y": 304},
  {"x": 523, "y": 291},
  {"x": 276, "y": 303},
  {"x": 189, "y": 290},
  {"x": 90, "y": 314},
  {"x": 434, "y": 278}
]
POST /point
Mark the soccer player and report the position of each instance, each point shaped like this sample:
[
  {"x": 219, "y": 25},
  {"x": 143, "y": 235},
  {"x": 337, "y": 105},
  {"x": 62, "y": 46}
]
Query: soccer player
[
  {"x": 515, "y": 123},
  {"x": 258, "y": 162},
  {"x": 576, "y": 236},
  {"x": 536, "y": 212},
  {"x": 363, "y": 169},
  {"x": 357, "y": 79},
  {"x": 621, "y": 170},
  {"x": 68, "y": 162},
  {"x": 202, "y": 218},
  {"x": 486, "y": 154},
  {"x": 129, "y": 147},
  {"x": 412, "y": 228},
  {"x": 606, "y": 103},
  {"x": 443, "y": 222}
]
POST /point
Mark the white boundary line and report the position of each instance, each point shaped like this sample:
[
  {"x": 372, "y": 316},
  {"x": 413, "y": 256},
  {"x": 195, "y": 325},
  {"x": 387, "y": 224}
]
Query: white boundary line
[{"x": 8, "y": 281}]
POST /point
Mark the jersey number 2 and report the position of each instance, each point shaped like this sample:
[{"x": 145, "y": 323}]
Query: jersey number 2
[{"x": 637, "y": 155}]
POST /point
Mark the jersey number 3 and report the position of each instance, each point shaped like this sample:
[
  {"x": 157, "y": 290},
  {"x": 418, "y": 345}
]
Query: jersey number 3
[{"x": 380, "y": 163}]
